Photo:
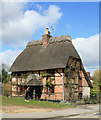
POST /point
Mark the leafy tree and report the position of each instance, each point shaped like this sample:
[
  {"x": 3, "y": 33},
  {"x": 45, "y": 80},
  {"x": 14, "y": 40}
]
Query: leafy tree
[
  {"x": 97, "y": 77},
  {"x": 95, "y": 91},
  {"x": 5, "y": 76}
]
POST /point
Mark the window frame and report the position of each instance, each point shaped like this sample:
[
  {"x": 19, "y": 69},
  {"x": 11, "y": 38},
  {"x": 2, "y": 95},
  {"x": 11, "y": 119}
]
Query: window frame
[
  {"x": 20, "y": 89},
  {"x": 49, "y": 89}
]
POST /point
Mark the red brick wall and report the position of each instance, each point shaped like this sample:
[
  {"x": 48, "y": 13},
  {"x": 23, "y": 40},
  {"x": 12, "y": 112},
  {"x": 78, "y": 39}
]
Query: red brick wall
[
  {"x": 58, "y": 88},
  {"x": 84, "y": 82}
]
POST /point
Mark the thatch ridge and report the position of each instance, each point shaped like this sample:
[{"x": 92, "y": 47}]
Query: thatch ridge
[{"x": 51, "y": 40}]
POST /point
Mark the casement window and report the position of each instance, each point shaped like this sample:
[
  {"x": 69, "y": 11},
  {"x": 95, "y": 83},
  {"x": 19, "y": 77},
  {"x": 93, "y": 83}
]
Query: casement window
[
  {"x": 20, "y": 89},
  {"x": 50, "y": 89}
]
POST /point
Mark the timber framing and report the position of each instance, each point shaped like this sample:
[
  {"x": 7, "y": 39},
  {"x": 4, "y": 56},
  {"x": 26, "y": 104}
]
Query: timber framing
[{"x": 56, "y": 63}]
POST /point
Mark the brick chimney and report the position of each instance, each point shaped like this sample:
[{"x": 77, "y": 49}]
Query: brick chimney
[{"x": 45, "y": 38}]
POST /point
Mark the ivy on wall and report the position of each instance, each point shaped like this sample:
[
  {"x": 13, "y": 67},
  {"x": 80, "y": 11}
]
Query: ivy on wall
[
  {"x": 50, "y": 80},
  {"x": 72, "y": 74}
]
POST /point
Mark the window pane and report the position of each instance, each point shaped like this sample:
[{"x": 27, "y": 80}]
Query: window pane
[
  {"x": 52, "y": 89},
  {"x": 18, "y": 88},
  {"x": 48, "y": 89}
]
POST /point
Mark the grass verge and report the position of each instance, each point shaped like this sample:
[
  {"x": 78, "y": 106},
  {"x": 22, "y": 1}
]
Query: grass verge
[{"x": 11, "y": 101}]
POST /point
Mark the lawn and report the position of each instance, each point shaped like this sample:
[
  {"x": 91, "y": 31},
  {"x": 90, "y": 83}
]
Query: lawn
[{"x": 11, "y": 101}]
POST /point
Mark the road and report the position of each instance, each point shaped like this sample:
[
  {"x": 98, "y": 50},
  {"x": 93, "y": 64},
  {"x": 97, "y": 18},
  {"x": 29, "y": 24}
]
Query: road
[{"x": 87, "y": 111}]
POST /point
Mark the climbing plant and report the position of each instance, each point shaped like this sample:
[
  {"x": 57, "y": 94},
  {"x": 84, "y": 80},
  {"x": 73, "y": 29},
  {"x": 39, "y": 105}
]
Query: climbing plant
[
  {"x": 24, "y": 76},
  {"x": 72, "y": 73},
  {"x": 50, "y": 80}
]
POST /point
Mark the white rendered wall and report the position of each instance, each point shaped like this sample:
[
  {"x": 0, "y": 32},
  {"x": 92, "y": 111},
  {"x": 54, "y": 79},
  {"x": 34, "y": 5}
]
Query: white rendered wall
[{"x": 86, "y": 92}]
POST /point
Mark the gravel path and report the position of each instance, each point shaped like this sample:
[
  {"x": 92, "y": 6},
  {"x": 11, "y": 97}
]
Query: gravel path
[{"x": 87, "y": 111}]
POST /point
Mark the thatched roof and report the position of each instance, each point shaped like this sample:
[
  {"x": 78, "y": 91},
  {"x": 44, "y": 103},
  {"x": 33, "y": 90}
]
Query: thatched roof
[
  {"x": 38, "y": 57},
  {"x": 33, "y": 79}
]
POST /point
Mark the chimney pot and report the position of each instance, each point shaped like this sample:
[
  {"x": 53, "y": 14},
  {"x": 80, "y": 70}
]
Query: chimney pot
[
  {"x": 46, "y": 30},
  {"x": 46, "y": 37}
]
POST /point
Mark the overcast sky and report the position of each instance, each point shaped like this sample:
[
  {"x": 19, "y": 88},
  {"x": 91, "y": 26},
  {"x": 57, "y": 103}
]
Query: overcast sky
[{"x": 26, "y": 21}]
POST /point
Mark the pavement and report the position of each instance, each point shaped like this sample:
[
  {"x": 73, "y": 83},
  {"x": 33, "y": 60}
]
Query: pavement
[{"x": 86, "y": 111}]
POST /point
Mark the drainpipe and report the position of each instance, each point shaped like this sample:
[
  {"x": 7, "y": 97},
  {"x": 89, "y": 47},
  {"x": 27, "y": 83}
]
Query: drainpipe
[{"x": 63, "y": 87}]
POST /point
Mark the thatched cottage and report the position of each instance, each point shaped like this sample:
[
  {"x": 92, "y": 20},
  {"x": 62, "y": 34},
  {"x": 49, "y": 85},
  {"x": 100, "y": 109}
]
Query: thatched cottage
[{"x": 52, "y": 69}]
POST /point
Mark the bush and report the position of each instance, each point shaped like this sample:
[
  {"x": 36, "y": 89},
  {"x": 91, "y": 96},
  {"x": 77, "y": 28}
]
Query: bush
[
  {"x": 86, "y": 101},
  {"x": 7, "y": 89},
  {"x": 94, "y": 94},
  {"x": 80, "y": 102}
]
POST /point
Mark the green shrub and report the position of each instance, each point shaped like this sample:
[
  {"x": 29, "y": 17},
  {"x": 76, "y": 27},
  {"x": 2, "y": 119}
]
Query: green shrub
[
  {"x": 86, "y": 101},
  {"x": 90, "y": 101},
  {"x": 94, "y": 94},
  {"x": 80, "y": 102}
]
